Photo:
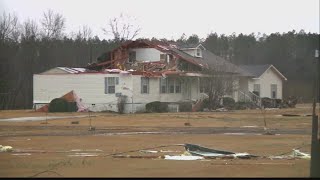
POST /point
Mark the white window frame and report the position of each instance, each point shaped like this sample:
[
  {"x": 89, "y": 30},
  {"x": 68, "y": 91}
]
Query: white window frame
[
  {"x": 108, "y": 84},
  {"x": 200, "y": 53},
  {"x": 163, "y": 82},
  {"x": 145, "y": 83},
  {"x": 170, "y": 85},
  {"x": 177, "y": 83},
  {"x": 255, "y": 88},
  {"x": 274, "y": 90}
]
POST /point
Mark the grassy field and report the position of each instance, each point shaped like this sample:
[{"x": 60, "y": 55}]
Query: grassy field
[{"x": 48, "y": 150}]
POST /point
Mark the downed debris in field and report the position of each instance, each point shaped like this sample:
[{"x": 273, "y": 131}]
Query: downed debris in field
[
  {"x": 84, "y": 154},
  {"x": 193, "y": 152},
  {"x": 135, "y": 156},
  {"x": 183, "y": 157},
  {"x": 297, "y": 153},
  {"x": 294, "y": 155},
  {"x": 21, "y": 154},
  {"x": 208, "y": 152},
  {"x": 295, "y": 115},
  {"x": 148, "y": 151},
  {"x": 6, "y": 148}
]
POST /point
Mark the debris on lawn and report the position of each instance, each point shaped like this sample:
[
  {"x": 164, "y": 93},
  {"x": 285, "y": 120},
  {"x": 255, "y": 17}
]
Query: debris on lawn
[
  {"x": 249, "y": 126},
  {"x": 84, "y": 154},
  {"x": 135, "y": 156},
  {"x": 148, "y": 151},
  {"x": 197, "y": 150},
  {"x": 6, "y": 148},
  {"x": 183, "y": 157},
  {"x": 299, "y": 154},
  {"x": 193, "y": 152},
  {"x": 295, "y": 115},
  {"x": 21, "y": 154},
  {"x": 295, "y": 154}
]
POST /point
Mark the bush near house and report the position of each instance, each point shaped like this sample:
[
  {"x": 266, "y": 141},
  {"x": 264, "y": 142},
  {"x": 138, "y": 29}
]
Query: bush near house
[
  {"x": 185, "y": 107},
  {"x": 157, "y": 106},
  {"x": 244, "y": 105},
  {"x": 62, "y": 105},
  {"x": 228, "y": 102}
]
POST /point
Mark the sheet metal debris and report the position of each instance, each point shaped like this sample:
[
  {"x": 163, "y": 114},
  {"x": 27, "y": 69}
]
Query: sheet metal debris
[
  {"x": 6, "y": 148},
  {"x": 183, "y": 157},
  {"x": 213, "y": 153}
]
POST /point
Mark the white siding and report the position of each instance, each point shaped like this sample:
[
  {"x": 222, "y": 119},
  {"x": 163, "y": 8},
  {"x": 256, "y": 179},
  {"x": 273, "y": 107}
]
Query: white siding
[
  {"x": 265, "y": 81},
  {"x": 147, "y": 54},
  {"x": 192, "y": 52},
  {"x": 91, "y": 89}
]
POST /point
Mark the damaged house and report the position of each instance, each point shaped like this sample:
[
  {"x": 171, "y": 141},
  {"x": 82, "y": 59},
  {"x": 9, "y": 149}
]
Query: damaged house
[{"x": 139, "y": 72}]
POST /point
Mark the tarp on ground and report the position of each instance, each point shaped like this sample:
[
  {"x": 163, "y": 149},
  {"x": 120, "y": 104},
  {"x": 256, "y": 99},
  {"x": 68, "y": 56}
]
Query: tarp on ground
[{"x": 69, "y": 97}]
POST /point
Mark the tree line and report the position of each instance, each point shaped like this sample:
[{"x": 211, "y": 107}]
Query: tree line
[{"x": 31, "y": 47}]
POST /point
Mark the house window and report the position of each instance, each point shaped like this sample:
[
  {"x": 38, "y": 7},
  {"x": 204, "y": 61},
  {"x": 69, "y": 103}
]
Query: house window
[
  {"x": 110, "y": 84},
  {"x": 163, "y": 57},
  {"x": 178, "y": 85},
  {"x": 273, "y": 91},
  {"x": 144, "y": 85},
  {"x": 256, "y": 89},
  {"x": 171, "y": 85},
  {"x": 132, "y": 56},
  {"x": 163, "y": 85},
  {"x": 198, "y": 54}
]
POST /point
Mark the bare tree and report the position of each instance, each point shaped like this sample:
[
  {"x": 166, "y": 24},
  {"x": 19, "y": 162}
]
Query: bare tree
[
  {"x": 217, "y": 84},
  {"x": 30, "y": 30},
  {"x": 53, "y": 24},
  {"x": 84, "y": 33},
  {"x": 122, "y": 28},
  {"x": 9, "y": 27}
]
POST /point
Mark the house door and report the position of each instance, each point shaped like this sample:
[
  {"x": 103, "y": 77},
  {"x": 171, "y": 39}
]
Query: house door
[{"x": 273, "y": 91}]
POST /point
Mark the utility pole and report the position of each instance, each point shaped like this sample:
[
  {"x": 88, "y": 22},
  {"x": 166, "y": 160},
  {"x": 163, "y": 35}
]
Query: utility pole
[{"x": 315, "y": 141}]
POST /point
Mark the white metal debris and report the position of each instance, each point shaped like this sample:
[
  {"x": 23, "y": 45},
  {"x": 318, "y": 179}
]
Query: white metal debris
[
  {"x": 83, "y": 154},
  {"x": 297, "y": 153},
  {"x": 183, "y": 157},
  {"x": 21, "y": 154},
  {"x": 5, "y": 148},
  {"x": 148, "y": 151}
]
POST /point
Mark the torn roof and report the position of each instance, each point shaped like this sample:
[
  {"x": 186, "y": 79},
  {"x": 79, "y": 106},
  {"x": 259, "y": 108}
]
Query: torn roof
[
  {"x": 208, "y": 59},
  {"x": 72, "y": 70},
  {"x": 258, "y": 70},
  {"x": 188, "y": 45}
]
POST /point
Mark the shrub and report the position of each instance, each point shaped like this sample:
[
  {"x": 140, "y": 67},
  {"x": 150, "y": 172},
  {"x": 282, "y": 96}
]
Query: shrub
[
  {"x": 228, "y": 102},
  {"x": 58, "y": 105},
  {"x": 244, "y": 105},
  {"x": 185, "y": 107},
  {"x": 157, "y": 106},
  {"x": 62, "y": 105}
]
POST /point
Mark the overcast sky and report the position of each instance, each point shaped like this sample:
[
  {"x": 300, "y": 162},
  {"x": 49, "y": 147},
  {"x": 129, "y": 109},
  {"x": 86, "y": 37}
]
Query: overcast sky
[{"x": 171, "y": 18}]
